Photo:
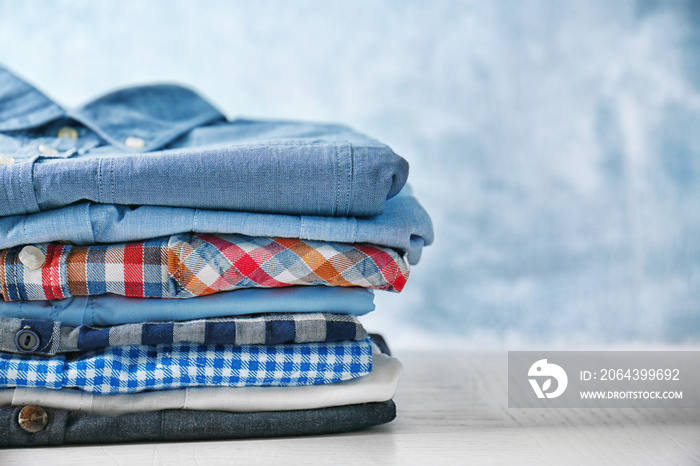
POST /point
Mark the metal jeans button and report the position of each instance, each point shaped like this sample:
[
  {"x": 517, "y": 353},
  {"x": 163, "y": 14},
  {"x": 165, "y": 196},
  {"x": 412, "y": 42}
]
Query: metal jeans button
[{"x": 33, "y": 418}]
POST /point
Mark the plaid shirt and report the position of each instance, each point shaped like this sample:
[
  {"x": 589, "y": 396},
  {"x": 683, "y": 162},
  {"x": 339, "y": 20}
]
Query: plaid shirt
[
  {"x": 188, "y": 265},
  {"x": 131, "y": 369},
  {"x": 266, "y": 329}
]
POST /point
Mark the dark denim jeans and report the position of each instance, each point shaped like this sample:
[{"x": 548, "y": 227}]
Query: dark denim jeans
[{"x": 69, "y": 427}]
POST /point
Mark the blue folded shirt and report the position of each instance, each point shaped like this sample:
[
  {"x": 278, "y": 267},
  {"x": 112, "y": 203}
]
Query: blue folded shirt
[
  {"x": 164, "y": 145},
  {"x": 107, "y": 310},
  {"x": 404, "y": 225}
]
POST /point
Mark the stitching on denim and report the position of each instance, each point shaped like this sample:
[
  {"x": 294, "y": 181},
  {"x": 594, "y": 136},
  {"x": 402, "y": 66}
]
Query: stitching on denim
[
  {"x": 99, "y": 180},
  {"x": 337, "y": 180},
  {"x": 24, "y": 229},
  {"x": 351, "y": 174},
  {"x": 26, "y": 200},
  {"x": 111, "y": 175},
  {"x": 21, "y": 189}
]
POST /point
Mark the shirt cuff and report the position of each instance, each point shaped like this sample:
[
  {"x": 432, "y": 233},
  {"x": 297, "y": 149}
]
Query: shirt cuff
[{"x": 50, "y": 281}]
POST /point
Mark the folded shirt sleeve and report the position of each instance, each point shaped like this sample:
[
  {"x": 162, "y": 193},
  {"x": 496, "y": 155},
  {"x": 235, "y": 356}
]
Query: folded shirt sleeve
[{"x": 189, "y": 265}]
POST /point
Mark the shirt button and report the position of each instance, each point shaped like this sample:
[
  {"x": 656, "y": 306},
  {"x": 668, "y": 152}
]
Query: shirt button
[
  {"x": 67, "y": 132},
  {"x": 6, "y": 159},
  {"x": 26, "y": 340},
  {"x": 132, "y": 142},
  {"x": 32, "y": 257},
  {"x": 46, "y": 149},
  {"x": 33, "y": 418}
]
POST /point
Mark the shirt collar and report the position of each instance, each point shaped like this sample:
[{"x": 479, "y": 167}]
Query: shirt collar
[{"x": 155, "y": 114}]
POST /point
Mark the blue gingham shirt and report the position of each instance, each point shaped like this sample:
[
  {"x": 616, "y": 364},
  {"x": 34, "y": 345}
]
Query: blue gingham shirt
[{"x": 131, "y": 369}]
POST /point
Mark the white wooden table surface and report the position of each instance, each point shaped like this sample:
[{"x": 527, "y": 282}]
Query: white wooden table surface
[{"x": 449, "y": 412}]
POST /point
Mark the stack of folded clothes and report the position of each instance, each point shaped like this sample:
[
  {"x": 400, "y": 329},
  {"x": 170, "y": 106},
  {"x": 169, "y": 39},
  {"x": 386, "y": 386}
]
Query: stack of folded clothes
[{"x": 168, "y": 274}]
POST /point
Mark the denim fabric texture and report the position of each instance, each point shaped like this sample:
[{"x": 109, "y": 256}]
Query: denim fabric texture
[
  {"x": 71, "y": 427},
  {"x": 266, "y": 329},
  {"x": 108, "y": 310},
  {"x": 404, "y": 225},
  {"x": 160, "y": 144},
  {"x": 378, "y": 385},
  {"x": 132, "y": 369}
]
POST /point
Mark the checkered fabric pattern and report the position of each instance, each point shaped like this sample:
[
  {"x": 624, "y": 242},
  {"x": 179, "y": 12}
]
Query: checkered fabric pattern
[
  {"x": 131, "y": 369},
  {"x": 188, "y": 265},
  {"x": 261, "y": 329}
]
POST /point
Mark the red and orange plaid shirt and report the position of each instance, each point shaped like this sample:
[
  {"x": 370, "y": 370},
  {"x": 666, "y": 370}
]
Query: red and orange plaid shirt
[{"x": 189, "y": 265}]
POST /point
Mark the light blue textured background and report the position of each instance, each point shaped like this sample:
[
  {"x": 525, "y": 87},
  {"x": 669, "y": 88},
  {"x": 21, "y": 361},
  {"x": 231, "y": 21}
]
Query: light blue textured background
[{"x": 555, "y": 144}]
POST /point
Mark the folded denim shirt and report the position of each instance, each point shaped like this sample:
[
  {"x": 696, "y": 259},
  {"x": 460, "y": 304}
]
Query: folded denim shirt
[
  {"x": 378, "y": 385},
  {"x": 132, "y": 369},
  {"x": 108, "y": 310},
  {"x": 404, "y": 225},
  {"x": 189, "y": 265},
  {"x": 162, "y": 144},
  {"x": 179, "y": 425},
  {"x": 46, "y": 337}
]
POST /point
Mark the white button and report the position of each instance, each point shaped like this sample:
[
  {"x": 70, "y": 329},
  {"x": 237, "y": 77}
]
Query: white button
[
  {"x": 67, "y": 132},
  {"x": 6, "y": 159},
  {"x": 32, "y": 257},
  {"x": 46, "y": 149},
  {"x": 132, "y": 142}
]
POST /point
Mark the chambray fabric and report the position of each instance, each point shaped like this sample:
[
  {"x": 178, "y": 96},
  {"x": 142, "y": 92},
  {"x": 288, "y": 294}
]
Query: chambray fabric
[
  {"x": 252, "y": 166},
  {"x": 190, "y": 265},
  {"x": 108, "y": 310},
  {"x": 404, "y": 225},
  {"x": 269, "y": 329},
  {"x": 378, "y": 385},
  {"x": 74, "y": 427},
  {"x": 132, "y": 369}
]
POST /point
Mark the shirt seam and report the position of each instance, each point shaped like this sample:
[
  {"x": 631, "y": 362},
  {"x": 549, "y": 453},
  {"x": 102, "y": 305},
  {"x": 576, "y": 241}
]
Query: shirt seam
[
  {"x": 351, "y": 177},
  {"x": 99, "y": 180},
  {"x": 338, "y": 165},
  {"x": 28, "y": 198}
]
